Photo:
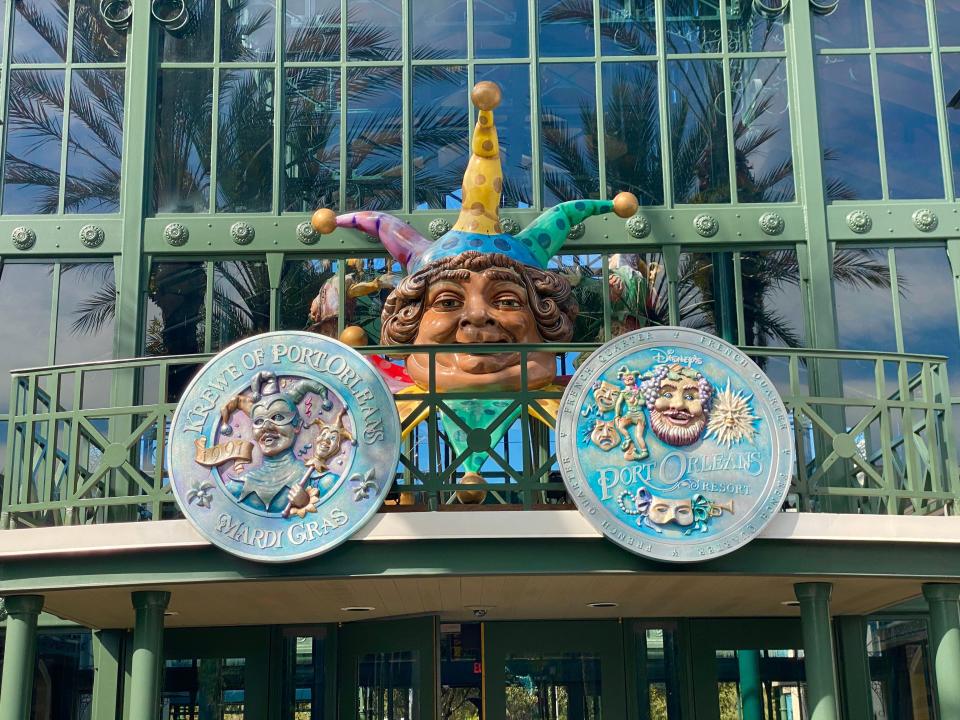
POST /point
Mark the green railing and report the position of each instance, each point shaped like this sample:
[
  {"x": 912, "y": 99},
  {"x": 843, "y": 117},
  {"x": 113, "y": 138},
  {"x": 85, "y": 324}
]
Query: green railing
[{"x": 883, "y": 444}]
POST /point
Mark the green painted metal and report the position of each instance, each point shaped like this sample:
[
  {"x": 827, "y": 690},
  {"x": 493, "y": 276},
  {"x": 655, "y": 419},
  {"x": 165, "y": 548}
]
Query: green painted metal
[
  {"x": 107, "y": 660},
  {"x": 147, "y": 656},
  {"x": 945, "y": 646},
  {"x": 751, "y": 686},
  {"x": 19, "y": 651},
  {"x": 818, "y": 654},
  {"x": 854, "y": 667}
]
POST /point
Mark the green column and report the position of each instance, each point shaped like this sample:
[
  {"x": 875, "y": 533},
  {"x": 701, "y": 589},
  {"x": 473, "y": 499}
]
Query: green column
[
  {"x": 751, "y": 688},
  {"x": 818, "y": 657},
  {"x": 945, "y": 646},
  {"x": 147, "y": 654},
  {"x": 19, "y": 654}
]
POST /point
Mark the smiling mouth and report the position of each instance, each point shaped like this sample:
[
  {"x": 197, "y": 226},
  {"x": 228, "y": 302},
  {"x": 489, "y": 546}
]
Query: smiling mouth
[
  {"x": 269, "y": 439},
  {"x": 678, "y": 417}
]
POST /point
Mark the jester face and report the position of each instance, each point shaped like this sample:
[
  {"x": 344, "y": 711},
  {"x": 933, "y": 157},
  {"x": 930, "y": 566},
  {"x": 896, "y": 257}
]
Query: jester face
[
  {"x": 275, "y": 425},
  {"x": 328, "y": 441},
  {"x": 664, "y": 510}
]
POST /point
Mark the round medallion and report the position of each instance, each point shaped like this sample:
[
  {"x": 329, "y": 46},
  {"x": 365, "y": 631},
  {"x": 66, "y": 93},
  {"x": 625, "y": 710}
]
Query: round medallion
[
  {"x": 577, "y": 232},
  {"x": 92, "y": 236},
  {"x": 638, "y": 227},
  {"x": 242, "y": 233},
  {"x": 510, "y": 226},
  {"x": 438, "y": 227},
  {"x": 859, "y": 222},
  {"x": 772, "y": 223},
  {"x": 23, "y": 238},
  {"x": 926, "y": 220},
  {"x": 706, "y": 225},
  {"x": 283, "y": 446},
  {"x": 306, "y": 234},
  {"x": 176, "y": 234},
  {"x": 674, "y": 444}
]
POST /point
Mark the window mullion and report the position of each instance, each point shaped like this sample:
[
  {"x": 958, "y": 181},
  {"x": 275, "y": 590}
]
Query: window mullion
[
  {"x": 279, "y": 105},
  {"x": 940, "y": 103},
  {"x": 65, "y": 120}
]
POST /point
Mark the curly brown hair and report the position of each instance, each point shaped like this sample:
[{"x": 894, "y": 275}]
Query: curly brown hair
[{"x": 548, "y": 293}]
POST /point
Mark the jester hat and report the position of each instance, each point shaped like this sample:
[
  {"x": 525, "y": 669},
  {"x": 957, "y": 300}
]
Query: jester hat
[
  {"x": 265, "y": 387},
  {"x": 478, "y": 227}
]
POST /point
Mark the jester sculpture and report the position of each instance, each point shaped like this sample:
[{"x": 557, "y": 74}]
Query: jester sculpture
[{"x": 479, "y": 284}]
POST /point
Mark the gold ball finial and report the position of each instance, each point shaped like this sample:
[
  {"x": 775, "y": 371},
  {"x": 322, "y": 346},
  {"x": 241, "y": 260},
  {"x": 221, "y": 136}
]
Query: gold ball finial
[
  {"x": 625, "y": 204},
  {"x": 354, "y": 336},
  {"x": 472, "y": 497},
  {"x": 324, "y": 221},
  {"x": 486, "y": 95}
]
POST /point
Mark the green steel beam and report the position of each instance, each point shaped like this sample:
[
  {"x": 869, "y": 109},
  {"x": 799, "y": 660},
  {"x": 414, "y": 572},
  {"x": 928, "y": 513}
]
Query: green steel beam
[
  {"x": 19, "y": 653},
  {"x": 819, "y": 663},
  {"x": 945, "y": 646},
  {"x": 147, "y": 656}
]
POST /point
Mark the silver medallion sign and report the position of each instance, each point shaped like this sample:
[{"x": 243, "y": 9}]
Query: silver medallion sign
[
  {"x": 674, "y": 444},
  {"x": 283, "y": 446}
]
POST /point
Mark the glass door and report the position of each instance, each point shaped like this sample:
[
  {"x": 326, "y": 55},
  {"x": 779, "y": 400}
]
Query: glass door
[
  {"x": 553, "y": 670},
  {"x": 388, "y": 670},
  {"x": 216, "y": 674}
]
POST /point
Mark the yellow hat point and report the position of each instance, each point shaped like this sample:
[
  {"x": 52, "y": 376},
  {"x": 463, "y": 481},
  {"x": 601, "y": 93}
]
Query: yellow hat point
[
  {"x": 354, "y": 336},
  {"x": 324, "y": 221},
  {"x": 486, "y": 95},
  {"x": 625, "y": 204}
]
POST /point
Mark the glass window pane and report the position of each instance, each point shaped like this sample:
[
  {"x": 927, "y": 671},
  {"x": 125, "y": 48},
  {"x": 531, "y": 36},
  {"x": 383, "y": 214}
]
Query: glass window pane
[
  {"x": 245, "y": 141},
  {"x": 96, "y": 141},
  {"x": 386, "y": 686},
  {"x": 948, "y": 22},
  {"x": 373, "y": 30},
  {"x": 845, "y": 27},
  {"x": 194, "y": 43},
  {"x": 500, "y": 29},
  {"x": 750, "y": 31},
  {"x": 312, "y": 157},
  {"x": 210, "y": 687},
  {"x": 513, "y": 130},
  {"x": 174, "y": 314},
  {"x": 698, "y": 132},
  {"x": 181, "y": 175},
  {"x": 374, "y": 138},
  {"x": 861, "y": 289},
  {"x": 305, "y": 682},
  {"x": 439, "y": 28},
  {"x": 761, "y": 127},
  {"x": 660, "y": 689},
  {"x": 911, "y": 140},
  {"x": 752, "y": 681},
  {"x": 63, "y": 682},
  {"x": 900, "y": 682},
  {"x": 538, "y": 685},
  {"x": 39, "y": 31},
  {"x": 301, "y": 303},
  {"x": 25, "y": 293},
  {"x": 566, "y": 28},
  {"x": 693, "y": 26},
  {"x": 440, "y": 126},
  {"x": 93, "y": 39},
  {"x": 631, "y": 127},
  {"x": 247, "y": 30},
  {"x": 628, "y": 27},
  {"x": 848, "y": 128},
  {"x": 695, "y": 296},
  {"x": 899, "y": 23},
  {"x": 772, "y": 303},
  {"x": 34, "y": 135},
  {"x": 312, "y": 30},
  {"x": 241, "y": 301},
  {"x": 951, "y": 90},
  {"x": 568, "y": 126}
]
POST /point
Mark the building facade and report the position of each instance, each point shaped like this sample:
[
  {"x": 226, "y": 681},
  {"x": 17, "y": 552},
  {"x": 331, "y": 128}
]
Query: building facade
[{"x": 795, "y": 164}]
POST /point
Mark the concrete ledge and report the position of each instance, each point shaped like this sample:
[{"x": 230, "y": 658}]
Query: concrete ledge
[{"x": 398, "y": 527}]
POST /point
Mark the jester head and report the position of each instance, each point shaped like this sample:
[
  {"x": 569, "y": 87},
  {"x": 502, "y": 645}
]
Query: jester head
[
  {"x": 273, "y": 410},
  {"x": 476, "y": 283}
]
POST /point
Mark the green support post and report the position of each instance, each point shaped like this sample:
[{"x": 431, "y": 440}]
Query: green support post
[
  {"x": 147, "y": 654},
  {"x": 107, "y": 655},
  {"x": 945, "y": 646},
  {"x": 751, "y": 687},
  {"x": 818, "y": 657},
  {"x": 19, "y": 654}
]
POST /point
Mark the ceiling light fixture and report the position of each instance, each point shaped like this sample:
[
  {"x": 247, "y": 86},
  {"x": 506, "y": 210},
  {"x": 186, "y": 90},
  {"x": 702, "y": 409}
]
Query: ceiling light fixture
[
  {"x": 358, "y": 608},
  {"x": 790, "y": 603},
  {"x": 602, "y": 605}
]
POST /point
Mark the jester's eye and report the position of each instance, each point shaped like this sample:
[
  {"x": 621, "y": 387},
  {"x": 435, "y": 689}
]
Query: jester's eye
[
  {"x": 448, "y": 301},
  {"x": 508, "y": 302}
]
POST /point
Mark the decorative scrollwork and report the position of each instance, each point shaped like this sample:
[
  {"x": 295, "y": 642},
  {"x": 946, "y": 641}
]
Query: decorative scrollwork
[
  {"x": 510, "y": 226},
  {"x": 772, "y": 223},
  {"x": 242, "y": 233},
  {"x": 638, "y": 227},
  {"x": 824, "y": 7},
  {"x": 92, "y": 236},
  {"x": 174, "y": 15},
  {"x": 438, "y": 227},
  {"x": 926, "y": 220},
  {"x": 771, "y": 8},
  {"x": 118, "y": 14},
  {"x": 176, "y": 234},
  {"x": 23, "y": 238},
  {"x": 577, "y": 232},
  {"x": 706, "y": 225},
  {"x": 306, "y": 234},
  {"x": 859, "y": 222}
]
